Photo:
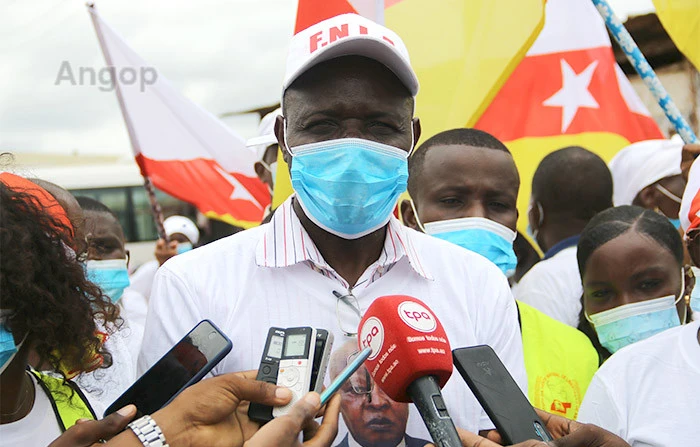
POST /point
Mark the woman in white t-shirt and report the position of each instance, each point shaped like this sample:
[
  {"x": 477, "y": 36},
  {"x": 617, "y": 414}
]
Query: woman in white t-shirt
[
  {"x": 634, "y": 284},
  {"x": 47, "y": 317}
]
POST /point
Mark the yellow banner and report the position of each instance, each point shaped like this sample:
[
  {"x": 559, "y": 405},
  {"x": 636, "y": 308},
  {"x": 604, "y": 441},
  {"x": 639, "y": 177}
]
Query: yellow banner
[{"x": 681, "y": 19}]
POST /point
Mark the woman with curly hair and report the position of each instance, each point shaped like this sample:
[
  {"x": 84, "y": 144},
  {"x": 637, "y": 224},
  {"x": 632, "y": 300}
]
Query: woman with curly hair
[{"x": 48, "y": 309}]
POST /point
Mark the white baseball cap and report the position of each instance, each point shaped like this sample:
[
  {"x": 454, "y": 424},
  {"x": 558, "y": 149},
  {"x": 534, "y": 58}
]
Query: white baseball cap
[
  {"x": 266, "y": 134},
  {"x": 349, "y": 35},
  {"x": 182, "y": 225}
]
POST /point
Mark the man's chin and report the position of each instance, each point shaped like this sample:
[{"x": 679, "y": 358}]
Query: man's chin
[{"x": 382, "y": 435}]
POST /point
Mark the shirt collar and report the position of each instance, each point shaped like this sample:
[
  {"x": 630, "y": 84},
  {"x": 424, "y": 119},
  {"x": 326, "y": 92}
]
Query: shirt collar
[
  {"x": 561, "y": 245},
  {"x": 285, "y": 242}
]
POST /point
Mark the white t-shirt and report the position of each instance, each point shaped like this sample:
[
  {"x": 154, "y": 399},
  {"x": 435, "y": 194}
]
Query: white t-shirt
[
  {"x": 273, "y": 275},
  {"x": 553, "y": 286},
  {"x": 40, "y": 427},
  {"x": 105, "y": 385},
  {"x": 648, "y": 393},
  {"x": 142, "y": 279},
  {"x": 133, "y": 308}
]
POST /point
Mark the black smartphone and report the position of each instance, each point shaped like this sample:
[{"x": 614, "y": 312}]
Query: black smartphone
[
  {"x": 185, "y": 364},
  {"x": 499, "y": 395}
]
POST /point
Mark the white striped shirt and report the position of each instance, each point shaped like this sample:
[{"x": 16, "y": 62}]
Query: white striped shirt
[{"x": 285, "y": 242}]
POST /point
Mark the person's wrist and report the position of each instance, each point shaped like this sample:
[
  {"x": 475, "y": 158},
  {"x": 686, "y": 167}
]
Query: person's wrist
[
  {"x": 148, "y": 432},
  {"x": 175, "y": 430}
]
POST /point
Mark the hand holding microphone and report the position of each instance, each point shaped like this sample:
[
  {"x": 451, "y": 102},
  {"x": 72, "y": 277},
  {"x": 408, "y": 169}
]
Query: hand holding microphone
[{"x": 411, "y": 359}]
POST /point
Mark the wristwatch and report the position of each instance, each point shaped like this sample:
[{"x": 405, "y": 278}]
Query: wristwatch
[{"x": 148, "y": 432}]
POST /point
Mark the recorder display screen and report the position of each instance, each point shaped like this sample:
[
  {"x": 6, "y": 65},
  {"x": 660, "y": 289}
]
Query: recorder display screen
[
  {"x": 296, "y": 345},
  {"x": 276, "y": 343}
]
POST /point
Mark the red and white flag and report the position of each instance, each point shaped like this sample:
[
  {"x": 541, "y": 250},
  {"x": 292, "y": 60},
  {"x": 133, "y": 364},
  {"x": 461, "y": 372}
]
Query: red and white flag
[
  {"x": 186, "y": 151},
  {"x": 567, "y": 91}
]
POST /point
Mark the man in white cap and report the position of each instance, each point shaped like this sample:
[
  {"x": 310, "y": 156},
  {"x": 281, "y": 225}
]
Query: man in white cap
[
  {"x": 265, "y": 146},
  {"x": 335, "y": 246},
  {"x": 648, "y": 174},
  {"x": 183, "y": 235}
]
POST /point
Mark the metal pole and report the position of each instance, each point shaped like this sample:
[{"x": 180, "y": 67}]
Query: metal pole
[{"x": 641, "y": 65}]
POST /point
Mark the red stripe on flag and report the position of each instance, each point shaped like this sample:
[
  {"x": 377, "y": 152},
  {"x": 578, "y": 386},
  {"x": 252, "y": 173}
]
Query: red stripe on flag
[
  {"x": 207, "y": 186},
  {"x": 310, "y": 12},
  {"x": 519, "y": 111}
]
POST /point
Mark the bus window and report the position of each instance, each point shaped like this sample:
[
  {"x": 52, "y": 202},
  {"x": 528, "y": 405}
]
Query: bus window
[
  {"x": 145, "y": 228},
  {"x": 133, "y": 209}
]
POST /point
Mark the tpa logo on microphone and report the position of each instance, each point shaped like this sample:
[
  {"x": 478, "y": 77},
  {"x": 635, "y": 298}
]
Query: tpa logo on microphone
[
  {"x": 417, "y": 316},
  {"x": 372, "y": 335}
]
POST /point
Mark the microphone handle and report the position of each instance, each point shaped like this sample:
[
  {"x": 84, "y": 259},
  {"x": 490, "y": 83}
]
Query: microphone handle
[{"x": 426, "y": 395}]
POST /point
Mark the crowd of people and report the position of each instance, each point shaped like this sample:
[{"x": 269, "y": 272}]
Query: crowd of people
[{"x": 602, "y": 333}]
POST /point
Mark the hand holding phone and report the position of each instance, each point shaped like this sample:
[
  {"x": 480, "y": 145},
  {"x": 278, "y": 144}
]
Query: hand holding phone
[
  {"x": 185, "y": 364},
  {"x": 499, "y": 395}
]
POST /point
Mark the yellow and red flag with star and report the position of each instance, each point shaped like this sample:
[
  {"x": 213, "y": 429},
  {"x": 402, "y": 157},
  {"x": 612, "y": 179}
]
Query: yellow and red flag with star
[{"x": 567, "y": 91}]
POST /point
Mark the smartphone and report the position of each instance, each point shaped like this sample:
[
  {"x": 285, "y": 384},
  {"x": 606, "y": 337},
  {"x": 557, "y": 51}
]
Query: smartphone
[
  {"x": 322, "y": 354},
  {"x": 499, "y": 395},
  {"x": 267, "y": 372},
  {"x": 185, "y": 364},
  {"x": 345, "y": 375},
  {"x": 296, "y": 364}
]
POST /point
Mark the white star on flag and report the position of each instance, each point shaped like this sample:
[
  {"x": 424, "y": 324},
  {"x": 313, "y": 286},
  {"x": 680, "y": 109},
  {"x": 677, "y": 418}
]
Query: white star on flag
[
  {"x": 239, "y": 192},
  {"x": 574, "y": 93}
]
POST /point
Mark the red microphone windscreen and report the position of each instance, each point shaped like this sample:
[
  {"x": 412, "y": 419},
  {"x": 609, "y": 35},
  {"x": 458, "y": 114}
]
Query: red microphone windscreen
[{"x": 407, "y": 341}]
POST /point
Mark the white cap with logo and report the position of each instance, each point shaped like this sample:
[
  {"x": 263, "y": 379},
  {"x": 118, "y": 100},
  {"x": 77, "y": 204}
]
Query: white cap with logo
[{"x": 349, "y": 35}]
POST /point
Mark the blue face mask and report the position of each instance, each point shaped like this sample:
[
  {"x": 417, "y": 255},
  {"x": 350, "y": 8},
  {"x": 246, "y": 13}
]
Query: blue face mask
[
  {"x": 676, "y": 223},
  {"x": 483, "y": 236},
  {"x": 624, "y": 325},
  {"x": 183, "y": 247},
  {"x": 695, "y": 293},
  {"x": 8, "y": 349},
  {"x": 110, "y": 275},
  {"x": 348, "y": 186}
]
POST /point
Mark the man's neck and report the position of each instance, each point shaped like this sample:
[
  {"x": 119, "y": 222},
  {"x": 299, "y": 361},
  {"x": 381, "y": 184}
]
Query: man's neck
[
  {"x": 348, "y": 257},
  {"x": 559, "y": 232}
]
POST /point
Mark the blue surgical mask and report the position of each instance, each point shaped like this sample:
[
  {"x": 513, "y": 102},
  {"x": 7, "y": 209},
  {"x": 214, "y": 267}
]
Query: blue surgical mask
[
  {"x": 676, "y": 223},
  {"x": 348, "y": 186},
  {"x": 624, "y": 325},
  {"x": 183, "y": 247},
  {"x": 8, "y": 349},
  {"x": 483, "y": 236},
  {"x": 110, "y": 275},
  {"x": 695, "y": 294}
]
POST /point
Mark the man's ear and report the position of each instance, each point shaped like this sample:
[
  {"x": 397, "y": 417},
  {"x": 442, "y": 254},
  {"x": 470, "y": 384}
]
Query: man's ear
[
  {"x": 416, "y": 131},
  {"x": 259, "y": 169},
  {"x": 647, "y": 198},
  {"x": 407, "y": 214},
  {"x": 279, "y": 133}
]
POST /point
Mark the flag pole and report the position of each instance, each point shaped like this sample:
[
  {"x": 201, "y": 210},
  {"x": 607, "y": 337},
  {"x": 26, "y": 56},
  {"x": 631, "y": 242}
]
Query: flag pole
[
  {"x": 641, "y": 65},
  {"x": 156, "y": 210}
]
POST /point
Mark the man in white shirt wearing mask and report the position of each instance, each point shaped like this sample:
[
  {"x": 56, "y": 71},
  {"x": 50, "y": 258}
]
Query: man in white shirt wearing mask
[
  {"x": 334, "y": 247},
  {"x": 183, "y": 235}
]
